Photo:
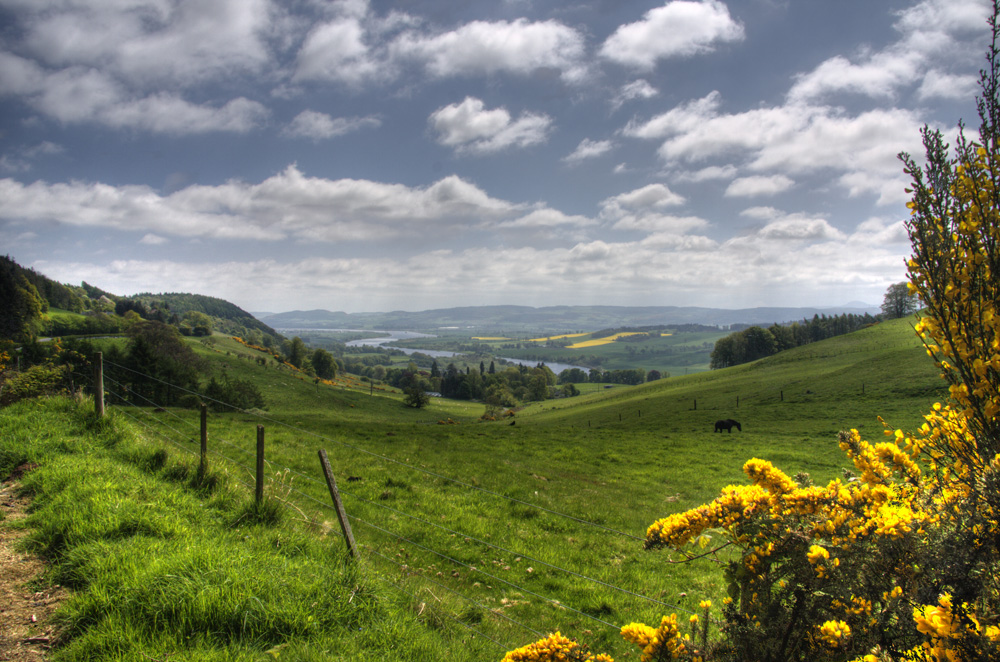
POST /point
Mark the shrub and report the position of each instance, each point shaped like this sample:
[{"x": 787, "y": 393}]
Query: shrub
[
  {"x": 234, "y": 393},
  {"x": 33, "y": 382}
]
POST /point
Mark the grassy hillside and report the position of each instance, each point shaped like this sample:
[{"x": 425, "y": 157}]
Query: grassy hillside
[{"x": 535, "y": 523}]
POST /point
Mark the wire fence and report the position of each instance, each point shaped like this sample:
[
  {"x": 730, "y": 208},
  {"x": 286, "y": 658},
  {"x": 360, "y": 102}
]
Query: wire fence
[{"x": 422, "y": 554}]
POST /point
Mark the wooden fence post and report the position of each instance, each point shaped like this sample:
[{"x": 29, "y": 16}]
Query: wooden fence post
[
  {"x": 345, "y": 525},
  {"x": 259, "y": 493},
  {"x": 204, "y": 439},
  {"x": 99, "y": 385}
]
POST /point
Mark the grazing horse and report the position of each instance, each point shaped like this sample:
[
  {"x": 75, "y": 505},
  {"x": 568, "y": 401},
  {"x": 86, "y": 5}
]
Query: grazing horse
[{"x": 727, "y": 425}]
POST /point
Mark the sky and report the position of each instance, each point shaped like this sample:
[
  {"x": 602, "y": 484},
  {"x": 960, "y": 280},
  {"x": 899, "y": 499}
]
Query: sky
[{"x": 367, "y": 155}]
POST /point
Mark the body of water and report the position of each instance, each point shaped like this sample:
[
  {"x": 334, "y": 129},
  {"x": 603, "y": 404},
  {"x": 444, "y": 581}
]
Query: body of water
[{"x": 395, "y": 336}]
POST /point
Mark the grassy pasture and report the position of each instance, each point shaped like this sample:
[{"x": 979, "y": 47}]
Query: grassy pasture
[{"x": 617, "y": 458}]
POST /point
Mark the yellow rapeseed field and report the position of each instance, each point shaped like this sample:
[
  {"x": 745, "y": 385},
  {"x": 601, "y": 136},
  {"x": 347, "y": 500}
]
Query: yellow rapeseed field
[
  {"x": 565, "y": 335},
  {"x": 602, "y": 341}
]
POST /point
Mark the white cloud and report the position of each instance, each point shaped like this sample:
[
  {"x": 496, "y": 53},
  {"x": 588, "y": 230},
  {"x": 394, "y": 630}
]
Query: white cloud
[
  {"x": 589, "y": 149},
  {"x": 708, "y": 174},
  {"x": 755, "y": 269},
  {"x": 548, "y": 219},
  {"x": 337, "y": 51},
  {"x": 758, "y": 185},
  {"x": 941, "y": 85},
  {"x": 661, "y": 224},
  {"x": 800, "y": 229},
  {"x": 153, "y": 42},
  {"x": 470, "y": 127},
  {"x": 764, "y": 213},
  {"x": 637, "y": 89},
  {"x": 932, "y": 32},
  {"x": 791, "y": 140},
  {"x": 653, "y": 196},
  {"x": 480, "y": 47},
  {"x": 79, "y": 95},
  {"x": 319, "y": 126},
  {"x": 288, "y": 205},
  {"x": 680, "y": 28},
  {"x": 879, "y": 76},
  {"x": 153, "y": 240}
]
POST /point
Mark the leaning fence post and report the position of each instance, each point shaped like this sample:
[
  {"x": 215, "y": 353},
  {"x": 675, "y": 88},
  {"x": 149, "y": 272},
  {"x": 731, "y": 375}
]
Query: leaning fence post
[
  {"x": 259, "y": 494},
  {"x": 204, "y": 438},
  {"x": 99, "y": 384},
  {"x": 345, "y": 525}
]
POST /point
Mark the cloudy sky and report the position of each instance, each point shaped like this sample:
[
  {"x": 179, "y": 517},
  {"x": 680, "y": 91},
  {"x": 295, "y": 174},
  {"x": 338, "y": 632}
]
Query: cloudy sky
[{"x": 370, "y": 155}]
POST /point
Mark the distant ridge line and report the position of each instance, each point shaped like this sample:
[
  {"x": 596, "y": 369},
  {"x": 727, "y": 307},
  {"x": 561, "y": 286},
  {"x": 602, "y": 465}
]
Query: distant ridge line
[{"x": 553, "y": 317}]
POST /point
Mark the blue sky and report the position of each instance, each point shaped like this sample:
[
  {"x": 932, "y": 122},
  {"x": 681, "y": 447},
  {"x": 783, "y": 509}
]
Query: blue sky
[{"x": 369, "y": 156}]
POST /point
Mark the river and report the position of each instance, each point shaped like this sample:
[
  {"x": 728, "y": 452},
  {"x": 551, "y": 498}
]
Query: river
[{"x": 395, "y": 336}]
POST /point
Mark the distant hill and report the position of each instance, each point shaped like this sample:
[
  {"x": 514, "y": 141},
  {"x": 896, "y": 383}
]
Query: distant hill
[
  {"x": 557, "y": 318},
  {"x": 227, "y": 317}
]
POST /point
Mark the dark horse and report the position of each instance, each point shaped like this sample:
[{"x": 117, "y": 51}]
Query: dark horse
[{"x": 727, "y": 425}]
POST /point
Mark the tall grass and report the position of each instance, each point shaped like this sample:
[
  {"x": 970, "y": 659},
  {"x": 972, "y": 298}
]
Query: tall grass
[{"x": 160, "y": 570}]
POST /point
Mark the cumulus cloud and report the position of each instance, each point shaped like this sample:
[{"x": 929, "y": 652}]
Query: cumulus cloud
[
  {"x": 589, "y": 149},
  {"x": 938, "y": 84},
  {"x": 288, "y": 205},
  {"x": 637, "y": 89},
  {"x": 708, "y": 174},
  {"x": 653, "y": 196},
  {"x": 469, "y": 126},
  {"x": 480, "y": 47},
  {"x": 800, "y": 229},
  {"x": 679, "y": 28},
  {"x": 152, "y": 42},
  {"x": 789, "y": 139},
  {"x": 759, "y": 185},
  {"x": 319, "y": 126},
  {"x": 337, "y": 50},
  {"x": 931, "y": 32},
  {"x": 547, "y": 218},
  {"x": 78, "y": 95}
]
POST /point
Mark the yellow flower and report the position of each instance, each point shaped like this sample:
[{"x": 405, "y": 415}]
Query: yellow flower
[
  {"x": 817, "y": 553},
  {"x": 834, "y": 633}
]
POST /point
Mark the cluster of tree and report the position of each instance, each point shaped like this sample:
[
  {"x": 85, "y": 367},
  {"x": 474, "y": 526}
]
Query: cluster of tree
[
  {"x": 756, "y": 342},
  {"x": 628, "y": 376},
  {"x": 501, "y": 387},
  {"x": 232, "y": 392},
  {"x": 22, "y": 304},
  {"x": 315, "y": 362},
  {"x": 157, "y": 367}
]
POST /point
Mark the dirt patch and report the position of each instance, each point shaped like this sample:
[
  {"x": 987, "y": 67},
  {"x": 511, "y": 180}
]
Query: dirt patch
[{"x": 27, "y": 630}]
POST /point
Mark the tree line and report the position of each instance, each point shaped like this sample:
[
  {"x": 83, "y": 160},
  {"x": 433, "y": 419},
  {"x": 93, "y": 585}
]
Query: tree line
[{"x": 756, "y": 342}]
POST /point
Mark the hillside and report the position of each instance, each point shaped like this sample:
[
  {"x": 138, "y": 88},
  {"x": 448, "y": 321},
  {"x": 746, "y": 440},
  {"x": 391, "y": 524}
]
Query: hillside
[
  {"x": 36, "y": 304},
  {"x": 498, "y": 520},
  {"x": 227, "y": 317}
]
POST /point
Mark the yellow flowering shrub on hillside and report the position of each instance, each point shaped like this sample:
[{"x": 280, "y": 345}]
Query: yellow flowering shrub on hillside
[{"x": 900, "y": 561}]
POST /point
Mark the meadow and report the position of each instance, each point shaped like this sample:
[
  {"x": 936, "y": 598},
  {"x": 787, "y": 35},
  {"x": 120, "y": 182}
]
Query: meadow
[{"x": 475, "y": 536}]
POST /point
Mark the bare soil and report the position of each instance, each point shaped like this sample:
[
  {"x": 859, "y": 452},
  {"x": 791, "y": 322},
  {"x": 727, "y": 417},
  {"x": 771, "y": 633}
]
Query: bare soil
[{"x": 27, "y": 603}]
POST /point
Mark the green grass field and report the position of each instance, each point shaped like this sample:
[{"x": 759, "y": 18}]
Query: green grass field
[{"x": 530, "y": 524}]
